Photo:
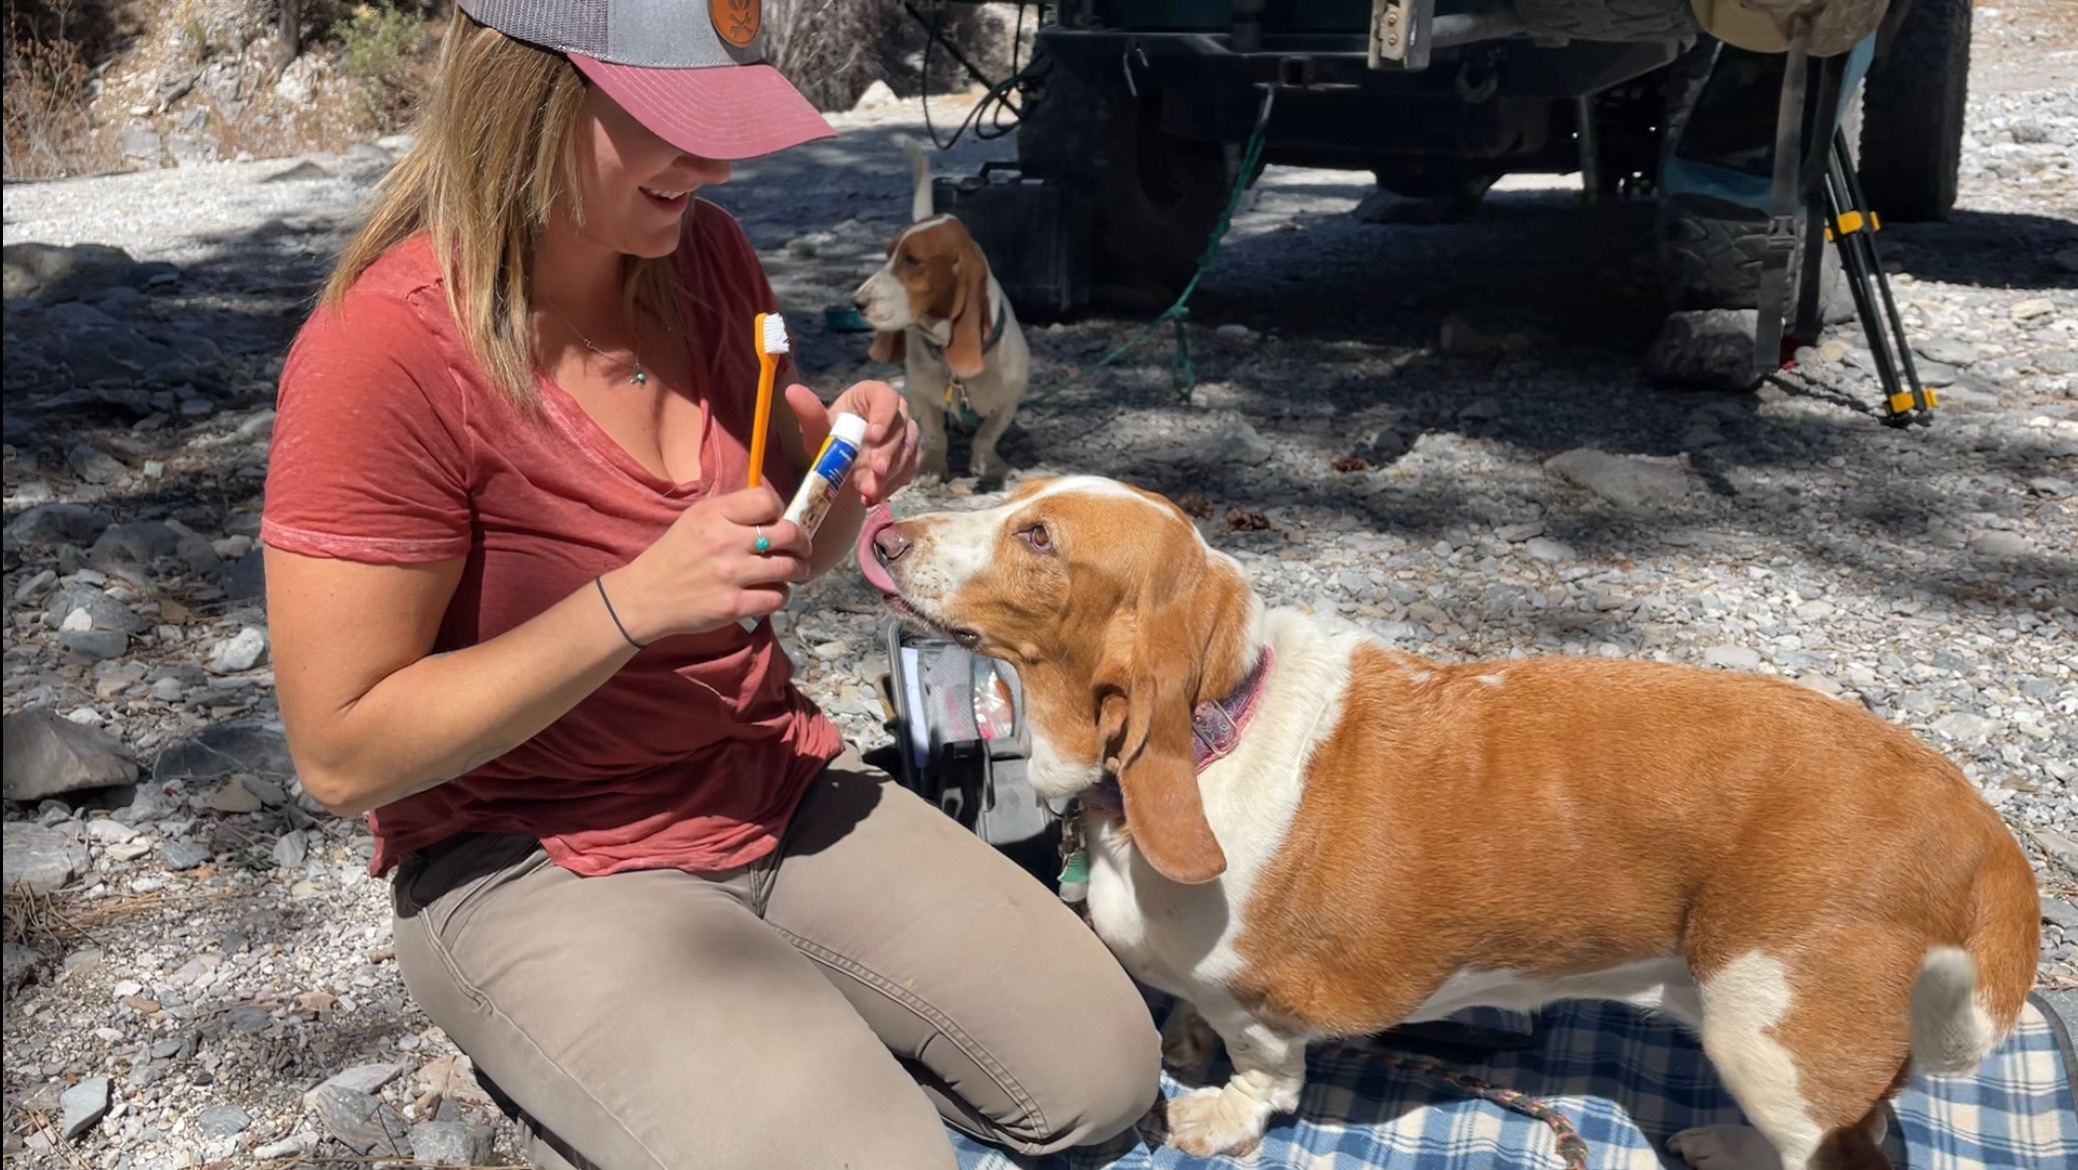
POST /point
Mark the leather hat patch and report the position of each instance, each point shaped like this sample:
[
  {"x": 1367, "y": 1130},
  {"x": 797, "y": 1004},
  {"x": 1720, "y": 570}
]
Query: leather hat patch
[{"x": 735, "y": 20}]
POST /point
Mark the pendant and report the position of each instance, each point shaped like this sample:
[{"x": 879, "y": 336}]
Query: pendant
[
  {"x": 1074, "y": 881},
  {"x": 641, "y": 377}
]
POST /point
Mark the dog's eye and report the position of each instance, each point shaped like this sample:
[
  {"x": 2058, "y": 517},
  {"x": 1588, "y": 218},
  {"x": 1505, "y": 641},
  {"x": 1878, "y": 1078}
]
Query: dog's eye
[{"x": 1038, "y": 538}]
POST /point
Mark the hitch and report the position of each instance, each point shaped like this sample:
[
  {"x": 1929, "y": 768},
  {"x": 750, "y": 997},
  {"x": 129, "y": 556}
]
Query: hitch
[
  {"x": 1404, "y": 32},
  {"x": 1400, "y": 32}
]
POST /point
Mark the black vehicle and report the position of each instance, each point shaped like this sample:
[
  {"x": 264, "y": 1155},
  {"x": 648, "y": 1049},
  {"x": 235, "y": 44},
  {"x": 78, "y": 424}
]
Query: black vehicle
[{"x": 1137, "y": 111}]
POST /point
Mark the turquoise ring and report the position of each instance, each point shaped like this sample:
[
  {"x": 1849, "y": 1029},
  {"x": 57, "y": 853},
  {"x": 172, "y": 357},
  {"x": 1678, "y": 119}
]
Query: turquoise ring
[{"x": 764, "y": 544}]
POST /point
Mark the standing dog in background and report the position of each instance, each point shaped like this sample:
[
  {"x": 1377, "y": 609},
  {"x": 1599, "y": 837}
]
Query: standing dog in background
[{"x": 936, "y": 308}]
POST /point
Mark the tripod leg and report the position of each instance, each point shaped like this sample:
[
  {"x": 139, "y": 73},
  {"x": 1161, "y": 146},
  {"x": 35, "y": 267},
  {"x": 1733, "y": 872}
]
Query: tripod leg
[{"x": 1905, "y": 398}]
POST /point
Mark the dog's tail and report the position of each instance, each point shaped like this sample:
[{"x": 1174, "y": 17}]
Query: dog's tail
[
  {"x": 1951, "y": 1031},
  {"x": 920, "y": 203},
  {"x": 1965, "y": 999}
]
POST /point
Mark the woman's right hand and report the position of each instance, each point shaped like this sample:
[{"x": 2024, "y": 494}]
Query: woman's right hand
[{"x": 706, "y": 570}]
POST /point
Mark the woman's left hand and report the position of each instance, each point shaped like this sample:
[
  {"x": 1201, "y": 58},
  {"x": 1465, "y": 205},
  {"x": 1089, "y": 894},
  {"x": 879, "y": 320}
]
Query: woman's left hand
[{"x": 888, "y": 458}]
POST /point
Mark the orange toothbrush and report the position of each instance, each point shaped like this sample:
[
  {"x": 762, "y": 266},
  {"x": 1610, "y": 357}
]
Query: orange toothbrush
[{"x": 770, "y": 329}]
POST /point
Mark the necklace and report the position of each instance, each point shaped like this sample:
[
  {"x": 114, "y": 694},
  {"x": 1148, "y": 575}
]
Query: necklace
[{"x": 639, "y": 376}]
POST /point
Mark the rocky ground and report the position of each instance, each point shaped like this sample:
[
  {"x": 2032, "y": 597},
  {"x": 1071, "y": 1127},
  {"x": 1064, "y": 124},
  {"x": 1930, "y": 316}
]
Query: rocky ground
[{"x": 1441, "y": 432}]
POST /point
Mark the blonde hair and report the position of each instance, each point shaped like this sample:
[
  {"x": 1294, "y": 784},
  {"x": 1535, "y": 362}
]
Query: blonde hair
[{"x": 492, "y": 155}]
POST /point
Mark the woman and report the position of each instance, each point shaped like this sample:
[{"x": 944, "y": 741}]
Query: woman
[{"x": 637, "y": 876}]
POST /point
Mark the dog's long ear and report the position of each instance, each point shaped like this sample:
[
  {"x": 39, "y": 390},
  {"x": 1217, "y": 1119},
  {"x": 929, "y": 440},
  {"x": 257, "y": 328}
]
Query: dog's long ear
[
  {"x": 1145, "y": 727},
  {"x": 1148, "y": 680},
  {"x": 970, "y": 315},
  {"x": 889, "y": 347}
]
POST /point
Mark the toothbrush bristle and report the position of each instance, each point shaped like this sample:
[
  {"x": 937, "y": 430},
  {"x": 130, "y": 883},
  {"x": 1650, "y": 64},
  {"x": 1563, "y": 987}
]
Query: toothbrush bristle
[{"x": 775, "y": 333}]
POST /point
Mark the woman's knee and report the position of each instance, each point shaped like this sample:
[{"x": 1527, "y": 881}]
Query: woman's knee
[
  {"x": 1123, "y": 1076},
  {"x": 888, "y": 1124},
  {"x": 1101, "y": 1072},
  {"x": 884, "y": 1124}
]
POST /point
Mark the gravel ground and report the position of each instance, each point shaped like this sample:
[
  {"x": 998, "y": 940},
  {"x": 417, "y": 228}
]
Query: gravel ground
[{"x": 1400, "y": 424}]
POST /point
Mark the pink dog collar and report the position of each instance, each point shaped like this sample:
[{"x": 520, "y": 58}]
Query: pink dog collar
[{"x": 1217, "y": 724}]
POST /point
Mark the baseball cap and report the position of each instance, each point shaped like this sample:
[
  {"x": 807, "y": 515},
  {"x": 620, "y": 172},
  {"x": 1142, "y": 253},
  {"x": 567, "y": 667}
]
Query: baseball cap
[{"x": 692, "y": 71}]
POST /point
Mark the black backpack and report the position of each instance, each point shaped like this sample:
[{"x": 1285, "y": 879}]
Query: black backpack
[{"x": 961, "y": 742}]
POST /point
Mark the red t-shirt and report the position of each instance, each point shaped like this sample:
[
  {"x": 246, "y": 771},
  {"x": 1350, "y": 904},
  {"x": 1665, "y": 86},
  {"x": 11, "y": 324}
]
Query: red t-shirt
[{"x": 391, "y": 447}]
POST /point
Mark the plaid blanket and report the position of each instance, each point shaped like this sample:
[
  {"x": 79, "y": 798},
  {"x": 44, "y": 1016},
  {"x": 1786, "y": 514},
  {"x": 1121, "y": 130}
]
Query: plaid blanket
[{"x": 1626, "y": 1081}]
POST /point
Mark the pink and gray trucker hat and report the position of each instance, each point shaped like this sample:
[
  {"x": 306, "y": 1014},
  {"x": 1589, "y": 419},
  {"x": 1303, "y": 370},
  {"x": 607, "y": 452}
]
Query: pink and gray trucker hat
[{"x": 693, "y": 71}]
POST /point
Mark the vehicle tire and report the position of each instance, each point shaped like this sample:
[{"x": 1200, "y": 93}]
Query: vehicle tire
[
  {"x": 1609, "y": 20},
  {"x": 1711, "y": 257},
  {"x": 1710, "y": 253},
  {"x": 1912, "y": 113},
  {"x": 1153, "y": 197}
]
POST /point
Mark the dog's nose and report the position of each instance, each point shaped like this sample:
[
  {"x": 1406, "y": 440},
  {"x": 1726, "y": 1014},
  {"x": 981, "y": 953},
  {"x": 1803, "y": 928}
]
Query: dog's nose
[
  {"x": 889, "y": 545},
  {"x": 859, "y": 300}
]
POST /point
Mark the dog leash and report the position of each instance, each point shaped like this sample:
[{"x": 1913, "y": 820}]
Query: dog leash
[
  {"x": 1182, "y": 374},
  {"x": 1572, "y": 1148}
]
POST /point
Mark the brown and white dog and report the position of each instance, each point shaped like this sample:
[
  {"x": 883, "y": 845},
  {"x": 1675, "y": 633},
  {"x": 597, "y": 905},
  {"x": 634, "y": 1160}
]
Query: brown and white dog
[
  {"x": 1313, "y": 834},
  {"x": 936, "y": 308}
]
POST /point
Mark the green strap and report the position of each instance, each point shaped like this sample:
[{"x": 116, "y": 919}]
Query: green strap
[{"x": 1182, "y": 373}]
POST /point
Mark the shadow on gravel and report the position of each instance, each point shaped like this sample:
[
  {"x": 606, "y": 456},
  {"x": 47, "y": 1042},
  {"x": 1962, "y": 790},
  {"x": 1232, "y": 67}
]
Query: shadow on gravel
[
  {"x": 1562, "y": 301},
  {"x": 1988, "y": 249}
]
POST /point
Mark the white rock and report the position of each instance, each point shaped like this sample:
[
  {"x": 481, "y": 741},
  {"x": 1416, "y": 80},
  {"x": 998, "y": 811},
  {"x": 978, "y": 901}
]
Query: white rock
[
  {"x": 231, "y": 796},
  {"x": 361, "y": 1078},
  {"x": 299, "y": 82},
  {"x": 240, "y": 652},
  {"x": 2000, "y": 544},
  {"x": 84, "y": 1104},
  {"x": 877, "y": 97},
  {"x": 259, "y": 425},
  {"x": 1632, "y": 481},
  {"x": 288, "y": 1147},
  {"x": 290, "y": 849},
  {"x": 34, "y": 583},
  {"x": 1963, "y": 727},
  {"x": 1733, "y": 657},
  {"x": 110, "y": 832}
]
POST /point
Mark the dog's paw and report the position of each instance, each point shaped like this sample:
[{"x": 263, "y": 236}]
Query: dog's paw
[
  {"x": 1189, "y": 1045},
  {"x": 1210, "y": 1122},
  {"x": 1725, "y": 1147},
  {"x": 988, "y": 465}
]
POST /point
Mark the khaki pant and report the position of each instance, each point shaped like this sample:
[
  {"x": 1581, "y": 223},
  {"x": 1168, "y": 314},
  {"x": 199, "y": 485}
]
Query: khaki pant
[{"x": 883, "y": 973}]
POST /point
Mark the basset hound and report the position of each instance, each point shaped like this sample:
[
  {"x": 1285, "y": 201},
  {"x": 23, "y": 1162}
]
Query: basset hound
[
  {"x": 1307, "y": 833},
  {"x": 936, "y": 308}
]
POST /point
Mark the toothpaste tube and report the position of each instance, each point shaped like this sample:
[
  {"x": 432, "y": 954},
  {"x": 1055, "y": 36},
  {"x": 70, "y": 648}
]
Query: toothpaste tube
[
  {"x": 826, "y": 476},
  {"x": 819, "y": 487}
]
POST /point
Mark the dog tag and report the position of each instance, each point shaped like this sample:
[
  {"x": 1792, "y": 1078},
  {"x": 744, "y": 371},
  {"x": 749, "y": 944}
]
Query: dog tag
[{"x": 1075, "y": 877}]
